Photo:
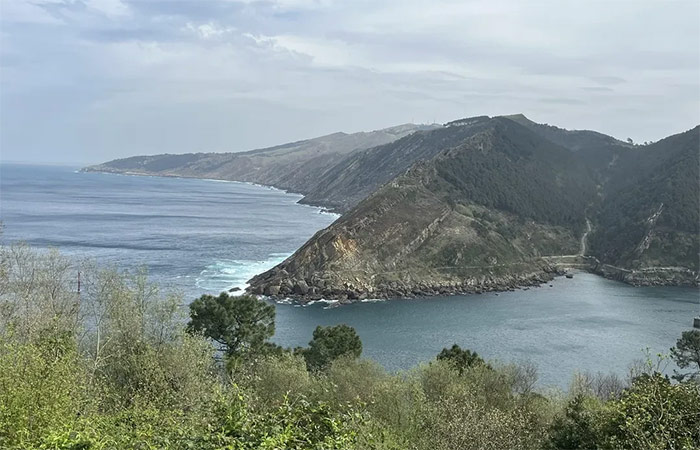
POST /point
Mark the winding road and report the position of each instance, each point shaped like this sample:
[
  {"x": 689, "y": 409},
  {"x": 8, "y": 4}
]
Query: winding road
[{"x": 582, "y": 252}]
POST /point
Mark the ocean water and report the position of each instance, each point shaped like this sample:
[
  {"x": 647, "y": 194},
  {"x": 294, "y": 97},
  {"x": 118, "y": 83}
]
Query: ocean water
[
  {"x": 202, "y": 236},
  {"x": 196, "y": 236}
]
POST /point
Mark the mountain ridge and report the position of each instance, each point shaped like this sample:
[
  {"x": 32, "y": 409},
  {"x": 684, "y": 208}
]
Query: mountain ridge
[
  {"x": 424, "y": 234},
  {"x": 479, "y": 203},
  {"x": 292, "y": 166}
]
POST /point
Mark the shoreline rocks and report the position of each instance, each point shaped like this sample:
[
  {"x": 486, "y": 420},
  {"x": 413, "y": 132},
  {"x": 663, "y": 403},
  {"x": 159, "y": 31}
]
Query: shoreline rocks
[
  {"x": 305, "y": 291},
  {"x": 346, "y": 291}
]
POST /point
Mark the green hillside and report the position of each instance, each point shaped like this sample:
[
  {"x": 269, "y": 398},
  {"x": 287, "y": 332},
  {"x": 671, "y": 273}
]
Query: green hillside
[
  {"x": 651, "y": 212},
  {"x": 475, "y": 216}
]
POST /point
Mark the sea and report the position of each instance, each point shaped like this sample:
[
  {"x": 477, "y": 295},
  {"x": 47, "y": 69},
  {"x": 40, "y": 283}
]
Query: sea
[{"x": 206, "y": 236}]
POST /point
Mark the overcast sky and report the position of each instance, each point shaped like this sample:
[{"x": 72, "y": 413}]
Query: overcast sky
[{"x": 90, "y": 80}]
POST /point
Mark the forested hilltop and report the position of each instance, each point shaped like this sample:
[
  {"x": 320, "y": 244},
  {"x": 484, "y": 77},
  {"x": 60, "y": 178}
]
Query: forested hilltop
[
  {"x": 119, "y": 365},
  {"x": 476, "y": 204},
  {"x": 650, "y": 216}
]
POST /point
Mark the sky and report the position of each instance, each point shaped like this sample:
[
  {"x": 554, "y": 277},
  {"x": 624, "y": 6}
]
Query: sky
[{"x": 85, "y": 81}]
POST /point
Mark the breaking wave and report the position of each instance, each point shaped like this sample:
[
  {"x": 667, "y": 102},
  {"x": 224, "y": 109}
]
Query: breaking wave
[{"x": 235, "y": 273}]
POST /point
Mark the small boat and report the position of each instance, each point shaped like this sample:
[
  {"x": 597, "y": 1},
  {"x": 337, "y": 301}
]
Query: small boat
[
  {"x": 696, "y": 322},
  {"x": 569, "y": 275}
]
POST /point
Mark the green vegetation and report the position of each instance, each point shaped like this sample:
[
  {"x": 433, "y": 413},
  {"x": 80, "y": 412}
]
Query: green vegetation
[
  {"x": 329, "y": 344},
  {"x": 238, "y": 324},
  {"x": 116, "y": 367},
  {"x": 460, "y": 359},
  {"x": 686, "y": 355},
  {"x": 510, "y": 169},
  {"x": 652, "y": 193},
  {"x": 493, "y": 197}
]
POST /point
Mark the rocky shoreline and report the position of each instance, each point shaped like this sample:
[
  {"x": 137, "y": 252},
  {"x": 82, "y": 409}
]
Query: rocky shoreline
[
  {"x": 653, "y": 276},
  {"x": 304, "y": 291},
  {"x": 307, "y": 290}
]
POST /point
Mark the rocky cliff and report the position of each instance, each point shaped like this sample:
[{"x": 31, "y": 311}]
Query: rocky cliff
[{"x": 478, "y": 214}]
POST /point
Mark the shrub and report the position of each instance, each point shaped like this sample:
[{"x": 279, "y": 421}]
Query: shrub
[
  {"x": 331, "y": 343},
  {"x": 654, "y": 414}
]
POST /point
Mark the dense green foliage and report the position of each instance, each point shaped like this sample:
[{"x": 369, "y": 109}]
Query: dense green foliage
[
  {"x": 329, "y": 344},
  {"x": 460, "y": 359},
  {"x": 239, "y": 324},
  {"x": 361, "y": 173},
  {"x": 659, "y": 177},
  {"x": 686, "y": 355},
  {"x": 509, "y": 168},
  {"x": 652, "y": 414},
  {"x": 114, "y": 368}
]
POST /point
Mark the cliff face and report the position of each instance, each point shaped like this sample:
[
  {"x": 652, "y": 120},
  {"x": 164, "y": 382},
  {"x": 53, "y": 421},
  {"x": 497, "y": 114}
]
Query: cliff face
[{"x": 478, "y": 215}]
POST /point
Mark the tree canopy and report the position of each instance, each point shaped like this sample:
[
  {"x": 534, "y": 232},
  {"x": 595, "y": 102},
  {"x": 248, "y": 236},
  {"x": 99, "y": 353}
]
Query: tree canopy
[
  {"x": 686, "y": 355},
  {"x": 237, "y": 323},
  {"x": 117, "y": 370},
  {"x": 331, "y": 343},
  {"x": 461, "y": 359}
]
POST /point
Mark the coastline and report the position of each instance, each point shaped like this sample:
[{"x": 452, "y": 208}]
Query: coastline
[
  {"x": 343, "y": 293},
  {"x": 276, "y": 284},
  {"x": 339, "y": 298},
  {"x": 322, "y": 209},
  {"x": 315, "y": 289}
]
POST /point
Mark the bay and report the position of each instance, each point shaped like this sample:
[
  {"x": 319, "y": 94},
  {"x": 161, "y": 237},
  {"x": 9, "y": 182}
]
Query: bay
[{"x": 201, "y": 236}]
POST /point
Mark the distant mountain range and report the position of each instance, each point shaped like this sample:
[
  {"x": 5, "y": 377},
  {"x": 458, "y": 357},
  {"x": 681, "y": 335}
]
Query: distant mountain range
[
  {"x": 476, "y": 204},
  {"x": 297, "y": 166}
]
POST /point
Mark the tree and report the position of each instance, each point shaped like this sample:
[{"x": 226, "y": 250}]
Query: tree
[
  {"x": 329, "y": 344},
  {"x": 686, "y": 354},
  {"x": 576, "y": 428},
  {"x": 654, "y": 414},
  {"x": 238, "y": 324},
  {"x": 459, "y": 358}
]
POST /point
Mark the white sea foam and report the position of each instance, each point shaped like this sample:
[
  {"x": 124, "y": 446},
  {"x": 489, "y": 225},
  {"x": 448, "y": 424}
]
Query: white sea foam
[{"x": 235, "y": 273}]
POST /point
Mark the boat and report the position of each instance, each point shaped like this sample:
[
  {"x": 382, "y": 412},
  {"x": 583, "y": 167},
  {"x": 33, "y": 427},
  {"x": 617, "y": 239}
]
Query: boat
[{"x": 569, "y": 275}]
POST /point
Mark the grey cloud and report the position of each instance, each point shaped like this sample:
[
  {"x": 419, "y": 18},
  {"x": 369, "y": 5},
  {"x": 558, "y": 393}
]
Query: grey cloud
[
  {"x": 562, "y": 101},
  {"x": 608, "y": 80},
  {"x": 597, "y": 89},
  {"x": 150, "y": 76}
]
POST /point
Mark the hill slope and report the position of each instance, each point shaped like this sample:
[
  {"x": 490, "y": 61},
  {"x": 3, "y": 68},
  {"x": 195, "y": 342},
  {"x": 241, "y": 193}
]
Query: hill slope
[
  {"x": 477, "y": 215},
  {"x": 361, "y": 173},
  {"x": 597, "y": 150},
  {"x": 650, "y": 216},
  {"x": 295, "y": 166},
  {"x": 471, "y": 205}
]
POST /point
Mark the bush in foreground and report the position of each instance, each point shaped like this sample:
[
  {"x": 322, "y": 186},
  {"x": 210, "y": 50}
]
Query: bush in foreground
[{"x": 114, "y": 368}]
